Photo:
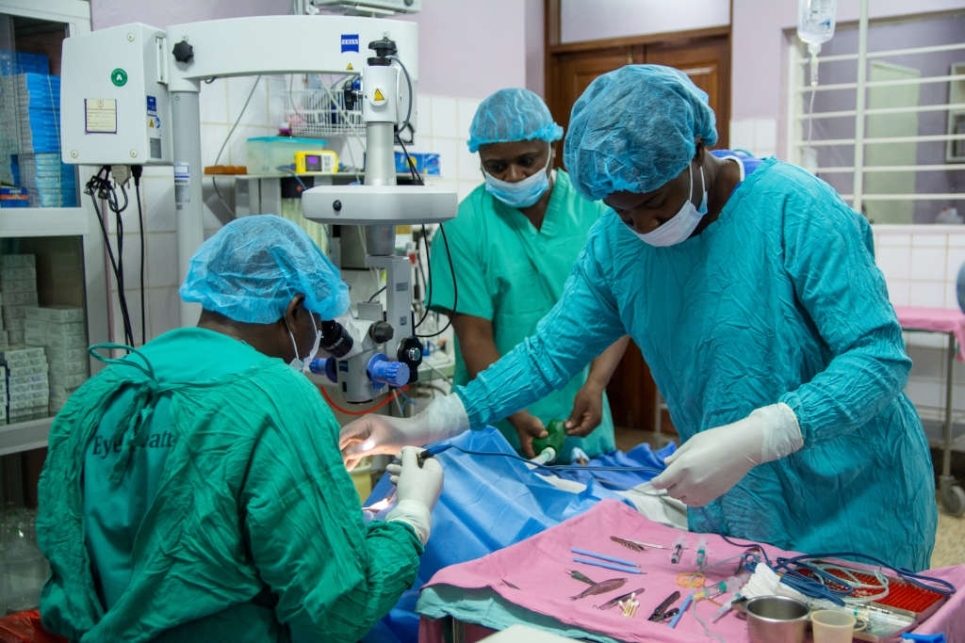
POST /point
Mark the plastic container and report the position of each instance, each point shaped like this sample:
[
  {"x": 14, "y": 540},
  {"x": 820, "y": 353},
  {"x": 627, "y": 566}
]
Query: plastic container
[
  {"x": 815, "y": 24},
  {"x": 557, "y": 434},
  {"x": 832, "y": 626},
  {"x": 266, "y": 154}
]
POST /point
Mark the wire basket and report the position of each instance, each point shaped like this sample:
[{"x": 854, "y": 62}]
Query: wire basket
[{"x": 319, "y": 113}]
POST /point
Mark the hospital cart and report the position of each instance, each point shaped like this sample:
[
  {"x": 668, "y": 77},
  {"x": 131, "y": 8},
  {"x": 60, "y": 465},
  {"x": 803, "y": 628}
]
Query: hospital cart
[{"x": 950, "y": 322}]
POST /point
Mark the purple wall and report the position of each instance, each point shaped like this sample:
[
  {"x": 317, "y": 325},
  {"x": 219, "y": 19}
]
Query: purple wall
[
  {"x": 109, "y": 13},
  {"x": 469, "y": 48},
  {"x": 466, "y": 48},
  {"x": 937, "y": 31},
  {"x": 759, "y": 49},
  {"x": 535, "y": 49}
]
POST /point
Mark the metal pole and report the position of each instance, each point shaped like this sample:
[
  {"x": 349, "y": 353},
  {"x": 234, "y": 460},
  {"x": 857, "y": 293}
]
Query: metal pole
[
  {"x": 380, "y": 170},
  {"x": 187, "y": 187},
  {"x": 859, "y": 108},
  {"x": 947, "y": 431}
]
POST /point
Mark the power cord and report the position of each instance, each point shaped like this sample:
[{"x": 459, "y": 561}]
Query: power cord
[
  {"x": 455, "y": 285},
  {"x": 99, "y": 187}
]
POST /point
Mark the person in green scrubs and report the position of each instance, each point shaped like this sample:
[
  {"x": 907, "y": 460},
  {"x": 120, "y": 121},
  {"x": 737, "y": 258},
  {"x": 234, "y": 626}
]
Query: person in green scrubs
[
  {"x": 194, "y": 489},
  {"x": 510, "y": 249}
]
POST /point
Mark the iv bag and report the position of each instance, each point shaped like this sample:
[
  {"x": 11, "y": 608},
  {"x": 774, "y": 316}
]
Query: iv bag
[{"x": 815, "y": 23}]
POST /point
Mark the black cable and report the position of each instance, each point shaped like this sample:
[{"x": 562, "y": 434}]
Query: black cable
[
  {"x": 408, "y": 160},
  {"x": 119, "y": 276},
  {"x": 99, "y": 187},
  {"x": 107, "y": 244},
  {"x": 455, "y": 287},
  {"x": 558, "y": 467},
  {"x": 136, "y": 173},
  {"x": 377, "y": 293},
  {"x": 408, "y": 82},
  {"x": 422, "y": 272}
]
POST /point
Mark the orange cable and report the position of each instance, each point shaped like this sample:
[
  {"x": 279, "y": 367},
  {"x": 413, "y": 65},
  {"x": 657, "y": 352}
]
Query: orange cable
[{"x": 378, "y": 406}]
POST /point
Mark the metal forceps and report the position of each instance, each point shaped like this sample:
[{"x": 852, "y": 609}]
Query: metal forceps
[{"x": 661, "y": 613}]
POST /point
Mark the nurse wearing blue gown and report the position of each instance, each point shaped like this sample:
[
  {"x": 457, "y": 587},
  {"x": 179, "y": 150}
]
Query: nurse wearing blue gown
[{"x": 751, "y": 288}]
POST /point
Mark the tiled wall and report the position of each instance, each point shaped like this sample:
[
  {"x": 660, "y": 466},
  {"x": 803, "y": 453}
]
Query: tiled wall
[
  {"x": 756, "y": 135},
  {"x": 921, "y": 264},
  {"x": 442, "y": 126}
]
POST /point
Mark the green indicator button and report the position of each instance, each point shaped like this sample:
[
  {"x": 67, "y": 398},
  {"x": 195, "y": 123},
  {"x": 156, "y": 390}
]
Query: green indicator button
[{"x": 119, "y": 77}]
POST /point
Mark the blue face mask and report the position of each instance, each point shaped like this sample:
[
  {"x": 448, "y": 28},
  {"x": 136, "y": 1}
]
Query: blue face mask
[
  {"x": 521, "y": 194},
  {"x": 679, "y": 228}
]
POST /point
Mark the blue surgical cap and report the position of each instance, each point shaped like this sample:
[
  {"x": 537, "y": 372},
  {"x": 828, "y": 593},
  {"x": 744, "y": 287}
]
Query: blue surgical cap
[
  {"x": 635, "y": 129},
  {"x": 251, "y": 268},
  {"x": 512, "y": 115}
]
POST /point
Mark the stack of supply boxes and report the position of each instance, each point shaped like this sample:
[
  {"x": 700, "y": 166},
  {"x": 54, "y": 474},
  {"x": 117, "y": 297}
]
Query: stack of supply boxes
[
  {"x": 26, "y": 383},
  {"x": 12, "y": 63},
  {"x": 18, "y": 288},
  {"x": 26, "y": 390},
  {"x": 60, "y": 331},
  {"x": 29, "y": 135}
]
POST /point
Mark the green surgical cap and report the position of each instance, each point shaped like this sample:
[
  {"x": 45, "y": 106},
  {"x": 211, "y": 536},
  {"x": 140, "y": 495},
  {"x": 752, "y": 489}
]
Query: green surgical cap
[
  {"x": 252, "y": 268},
  {"x": 634, "y": 129},
  {"x": 512, "y": 115}
]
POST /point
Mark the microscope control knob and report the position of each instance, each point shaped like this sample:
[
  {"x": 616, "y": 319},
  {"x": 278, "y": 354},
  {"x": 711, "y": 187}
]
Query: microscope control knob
[
  {"x": 383, "y": 371},
  {"x": 324, "y": 366},
  {"x": 183, "y": 52},
  {"x": 381, "y": 332},
  {"x": 410, "y": 352}
]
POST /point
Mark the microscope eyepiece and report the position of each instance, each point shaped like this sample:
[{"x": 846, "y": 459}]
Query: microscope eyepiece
[{"x": 335, "y": 339}]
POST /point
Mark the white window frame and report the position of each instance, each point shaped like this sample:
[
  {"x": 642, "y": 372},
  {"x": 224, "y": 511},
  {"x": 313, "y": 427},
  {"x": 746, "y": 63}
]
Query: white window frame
[{"x": 797, "y": 118}]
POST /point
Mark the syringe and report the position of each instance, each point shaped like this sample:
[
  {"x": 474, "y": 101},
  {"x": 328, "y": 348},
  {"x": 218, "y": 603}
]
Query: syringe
[
  {"x": 678, "y": 547},
  {"x": 701, "y": 550}
]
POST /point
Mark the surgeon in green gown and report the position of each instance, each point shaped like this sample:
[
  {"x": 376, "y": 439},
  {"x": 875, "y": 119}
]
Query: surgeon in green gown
[
  {"x": 194, "y": 490},
  {"x": 504, "y": 261}
]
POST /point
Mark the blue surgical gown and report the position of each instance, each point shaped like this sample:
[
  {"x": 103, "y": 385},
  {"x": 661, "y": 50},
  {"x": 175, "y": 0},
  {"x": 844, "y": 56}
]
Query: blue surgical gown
[{"x": 778, "y": 300}]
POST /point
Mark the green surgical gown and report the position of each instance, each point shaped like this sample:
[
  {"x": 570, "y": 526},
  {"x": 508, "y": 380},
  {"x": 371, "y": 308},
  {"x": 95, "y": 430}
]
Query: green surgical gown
[
  {"x": 512, "y": 274},
  {"x": 778, "y": 300},
  {"x": 227, "y": 515}
]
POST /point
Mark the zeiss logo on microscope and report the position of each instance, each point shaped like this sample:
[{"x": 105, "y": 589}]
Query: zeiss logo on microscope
[{"x": 350, "y": 42}]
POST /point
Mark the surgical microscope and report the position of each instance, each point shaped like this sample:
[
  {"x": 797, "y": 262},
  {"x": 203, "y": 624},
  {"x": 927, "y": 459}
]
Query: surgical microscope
[{"x": 130, "y": 97}]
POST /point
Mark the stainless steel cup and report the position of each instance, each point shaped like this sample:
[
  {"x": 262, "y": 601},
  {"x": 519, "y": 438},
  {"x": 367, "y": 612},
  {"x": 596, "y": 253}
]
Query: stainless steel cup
[{"x": 776, "y": 619}]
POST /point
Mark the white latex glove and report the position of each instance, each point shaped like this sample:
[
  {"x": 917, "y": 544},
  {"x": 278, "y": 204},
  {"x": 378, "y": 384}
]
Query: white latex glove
[
  {"x": 381, "y": 434},
  {"x": 707, "y": 465},
  {"x": 417, "y": 490}
]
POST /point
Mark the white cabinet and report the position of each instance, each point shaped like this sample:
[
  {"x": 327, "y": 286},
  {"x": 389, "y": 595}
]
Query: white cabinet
[{"x": 66, "y": 241}]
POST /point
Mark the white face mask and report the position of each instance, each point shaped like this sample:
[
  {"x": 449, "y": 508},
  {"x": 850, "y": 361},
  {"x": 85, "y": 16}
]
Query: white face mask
[
  {"x": 298, "y": 363},
  {"x": 681, "y": 225},
  {"x": 521, "y": 194}
]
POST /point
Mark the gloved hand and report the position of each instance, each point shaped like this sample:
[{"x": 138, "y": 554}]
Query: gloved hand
[
  {"x": 380, "y": 434},
  {"x": 708, "y": 464},
  {"x": 417, "y": 490}
]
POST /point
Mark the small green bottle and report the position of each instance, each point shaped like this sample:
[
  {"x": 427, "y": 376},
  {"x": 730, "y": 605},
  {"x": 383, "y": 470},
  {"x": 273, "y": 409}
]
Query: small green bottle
[{"x": 557, "y": 433}]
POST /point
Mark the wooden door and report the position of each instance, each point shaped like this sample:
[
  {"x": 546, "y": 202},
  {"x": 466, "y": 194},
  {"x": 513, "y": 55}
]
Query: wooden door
[
  {"x": 705, "y": 57},
  {"x": 707, "y": 63},
  {"x": 573, "y": 72}
]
